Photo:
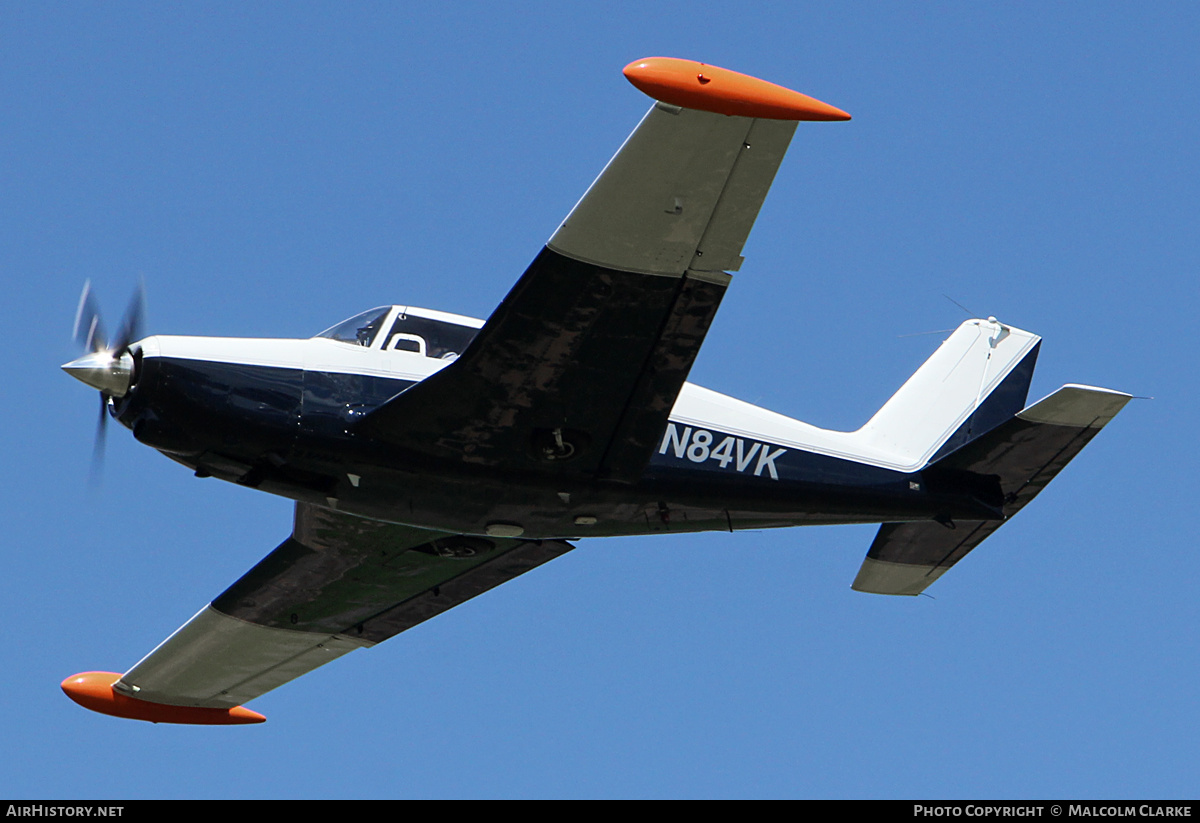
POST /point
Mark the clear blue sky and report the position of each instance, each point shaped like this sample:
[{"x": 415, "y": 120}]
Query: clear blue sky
[{"x": 275, "y": 168}]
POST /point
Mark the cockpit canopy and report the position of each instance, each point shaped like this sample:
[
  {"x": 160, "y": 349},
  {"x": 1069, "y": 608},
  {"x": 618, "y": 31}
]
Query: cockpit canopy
[{"x": 423, "y": 331}]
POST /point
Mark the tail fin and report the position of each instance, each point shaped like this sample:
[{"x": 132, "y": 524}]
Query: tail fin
[
  {"x": 1025, "y": 453},
  {"x": 976, "y": 380}
]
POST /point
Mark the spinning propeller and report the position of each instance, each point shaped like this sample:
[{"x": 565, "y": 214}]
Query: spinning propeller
[{"x": 107, "y": 366}]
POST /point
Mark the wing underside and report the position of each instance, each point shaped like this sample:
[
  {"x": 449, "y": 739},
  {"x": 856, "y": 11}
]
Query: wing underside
[
  {"x": 577, "y": 370},
  {"x": 337, "y": 584}
]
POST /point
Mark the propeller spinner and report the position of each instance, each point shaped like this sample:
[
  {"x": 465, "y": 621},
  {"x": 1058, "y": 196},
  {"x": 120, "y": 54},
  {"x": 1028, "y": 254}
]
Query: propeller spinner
[{"x": 107, "y": 367}]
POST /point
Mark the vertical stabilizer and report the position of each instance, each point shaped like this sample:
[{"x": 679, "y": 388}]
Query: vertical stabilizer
[{"x": 976, "y": 380}]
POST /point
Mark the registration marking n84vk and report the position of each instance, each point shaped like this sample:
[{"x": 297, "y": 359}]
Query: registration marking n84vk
[{"x": 731, "y": 453}]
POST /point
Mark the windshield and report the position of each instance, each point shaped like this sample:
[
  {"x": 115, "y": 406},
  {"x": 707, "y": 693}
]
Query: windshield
[{"x": 359, "y": 329}]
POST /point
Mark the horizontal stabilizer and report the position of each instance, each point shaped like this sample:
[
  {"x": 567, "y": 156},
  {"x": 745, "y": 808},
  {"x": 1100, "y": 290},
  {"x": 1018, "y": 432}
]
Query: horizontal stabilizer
[{"x": 1025, "y": 454}]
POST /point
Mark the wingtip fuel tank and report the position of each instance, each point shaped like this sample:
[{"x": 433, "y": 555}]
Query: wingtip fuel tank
[
  {"x": 694, "y": 85},
  {"x": 95, "y": 691}
]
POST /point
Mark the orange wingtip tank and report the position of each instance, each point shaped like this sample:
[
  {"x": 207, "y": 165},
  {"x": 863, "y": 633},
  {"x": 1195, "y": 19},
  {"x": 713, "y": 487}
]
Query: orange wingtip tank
[
  {"x": 700, "y": 86},
  {"x": 94, "y": 690}
]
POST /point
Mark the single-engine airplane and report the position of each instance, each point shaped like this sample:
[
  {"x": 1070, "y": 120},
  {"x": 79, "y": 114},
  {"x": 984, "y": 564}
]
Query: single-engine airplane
[{"x": 432, "y": 456}]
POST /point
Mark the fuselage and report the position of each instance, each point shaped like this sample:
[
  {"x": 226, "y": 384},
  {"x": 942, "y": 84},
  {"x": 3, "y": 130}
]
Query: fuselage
[{"x": 284, "y": 416}]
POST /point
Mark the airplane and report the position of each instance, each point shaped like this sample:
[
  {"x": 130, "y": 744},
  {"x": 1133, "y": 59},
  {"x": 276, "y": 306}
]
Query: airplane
[{"x": 432, "y": 456}]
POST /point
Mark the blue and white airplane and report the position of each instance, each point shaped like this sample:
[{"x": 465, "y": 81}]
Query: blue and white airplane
[{"x": 432, "y": 456}]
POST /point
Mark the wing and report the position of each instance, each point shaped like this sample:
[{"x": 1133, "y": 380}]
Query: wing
[
  {"x": 576, "y": 371},
  {"x": 337, "y": 584}
]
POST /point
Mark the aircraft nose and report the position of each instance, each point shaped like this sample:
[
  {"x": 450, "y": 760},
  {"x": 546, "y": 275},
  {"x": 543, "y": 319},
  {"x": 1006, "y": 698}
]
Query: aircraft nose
[{"x": 101, "y": 370}]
